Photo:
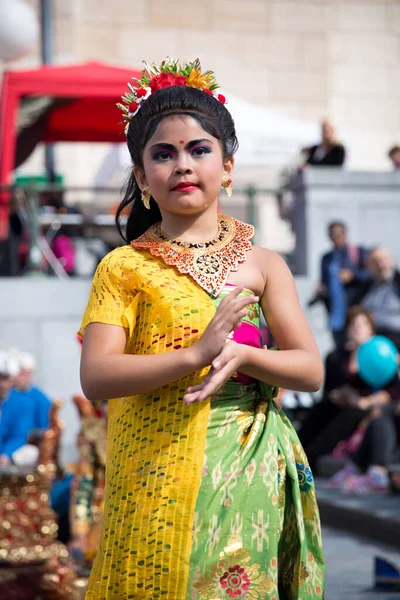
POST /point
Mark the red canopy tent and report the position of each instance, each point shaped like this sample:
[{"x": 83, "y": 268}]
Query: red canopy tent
[{"x": 90, "y": 115}]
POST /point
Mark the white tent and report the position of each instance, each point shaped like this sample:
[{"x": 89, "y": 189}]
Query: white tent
[{"x": 267, "y": 137}]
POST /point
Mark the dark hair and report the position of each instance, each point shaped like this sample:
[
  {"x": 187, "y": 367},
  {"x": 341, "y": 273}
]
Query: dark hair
[
  {"x": 333, "y": 224},
  {"x": 393, "y": 151},
  {"x": 356, "y": 311},
  {"x": 210, "y": 114}
]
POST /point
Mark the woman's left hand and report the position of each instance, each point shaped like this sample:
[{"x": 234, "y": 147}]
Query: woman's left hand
[{"x": 222, "y": 368}]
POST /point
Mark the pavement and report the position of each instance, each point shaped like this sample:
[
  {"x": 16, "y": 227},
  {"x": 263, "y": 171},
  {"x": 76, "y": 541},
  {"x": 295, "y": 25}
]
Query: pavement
[
  {"x": 355, "y": 530},
  {"x": 376, "y": 517},
  {"x": 350, "y": 566}
]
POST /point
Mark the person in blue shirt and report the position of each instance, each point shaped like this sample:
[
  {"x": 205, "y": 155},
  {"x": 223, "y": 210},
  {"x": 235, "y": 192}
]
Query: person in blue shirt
[
  {"x": 343, "y": 271},
  {"x": 25, "y": 409}
]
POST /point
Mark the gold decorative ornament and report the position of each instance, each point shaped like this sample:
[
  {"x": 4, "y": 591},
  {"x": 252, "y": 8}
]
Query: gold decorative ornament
[
  {"x": 227, "y": 184},
  {"x": 208, "y": 263},
  {"x": 146, "y": 195},
  {"x": 169, "y": 73}
]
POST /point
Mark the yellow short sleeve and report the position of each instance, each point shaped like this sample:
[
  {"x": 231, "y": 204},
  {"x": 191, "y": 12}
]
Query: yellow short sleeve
[{"x": 113, "y": 297}]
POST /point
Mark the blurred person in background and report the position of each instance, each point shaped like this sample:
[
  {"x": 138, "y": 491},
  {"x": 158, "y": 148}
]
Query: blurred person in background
[
  {"x": 394, "y": 155},
  {"x": 64, "y": 250},
  {"x": 366, "y": 472},
  {"x": 88, "y": 488},
  {"x": 347, "y": 400},
  {"x": 27, "y": 408},
  {"x": 329, "y": 152},
  {"x": 9, "y": 368},
  {"x": 381, "y": 294},
  {"x": 344, "y": 274}
]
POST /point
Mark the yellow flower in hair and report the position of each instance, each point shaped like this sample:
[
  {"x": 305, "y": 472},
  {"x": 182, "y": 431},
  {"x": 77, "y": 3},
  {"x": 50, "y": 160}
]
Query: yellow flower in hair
[{"x": 196, "y": 79}]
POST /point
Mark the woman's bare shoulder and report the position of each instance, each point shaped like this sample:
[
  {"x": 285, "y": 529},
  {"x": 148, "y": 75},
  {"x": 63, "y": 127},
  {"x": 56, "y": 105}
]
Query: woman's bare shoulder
[{"x": 268, "y": 261}]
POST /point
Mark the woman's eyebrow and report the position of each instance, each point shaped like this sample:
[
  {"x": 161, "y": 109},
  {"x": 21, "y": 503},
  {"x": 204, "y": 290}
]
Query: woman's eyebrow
[
  {"x": 199, "y": 141},
  {"x": 189, "y": 145},
  {"x": 162, "y": 145}
]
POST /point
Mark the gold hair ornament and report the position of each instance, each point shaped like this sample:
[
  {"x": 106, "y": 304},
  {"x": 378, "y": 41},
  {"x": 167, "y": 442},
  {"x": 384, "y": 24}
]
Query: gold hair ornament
[{"x": 169, "y": 73}]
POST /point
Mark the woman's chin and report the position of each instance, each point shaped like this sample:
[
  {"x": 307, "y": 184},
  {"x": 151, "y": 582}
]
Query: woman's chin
[{"x": 188, "y": 205}]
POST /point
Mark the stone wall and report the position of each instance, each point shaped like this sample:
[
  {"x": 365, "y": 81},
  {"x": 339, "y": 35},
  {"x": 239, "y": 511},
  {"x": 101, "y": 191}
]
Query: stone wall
[{"x": 308, "y": 59}]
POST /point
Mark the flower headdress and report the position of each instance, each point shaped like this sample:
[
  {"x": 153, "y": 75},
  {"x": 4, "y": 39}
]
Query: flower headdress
[{"x": 169, "y": 73}]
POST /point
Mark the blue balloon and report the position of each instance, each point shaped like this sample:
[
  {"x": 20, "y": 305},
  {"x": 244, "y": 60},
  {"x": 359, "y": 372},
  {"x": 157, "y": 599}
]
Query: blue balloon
[{"x": 377, "y": 361}]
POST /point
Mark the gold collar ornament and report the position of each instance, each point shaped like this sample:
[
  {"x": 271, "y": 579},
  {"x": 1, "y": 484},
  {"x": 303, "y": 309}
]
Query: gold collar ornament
[{"x": 208, "y": 263}]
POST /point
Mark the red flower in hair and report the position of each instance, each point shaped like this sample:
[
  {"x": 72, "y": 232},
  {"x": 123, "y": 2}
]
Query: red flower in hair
[
  {"x": 221, "y": 98},
  {"x": 141, "y": 92},
  {"x": 209, "y": 92},
  {"x": 164, "y": 80},
  {"x": 133, "y": 107}
]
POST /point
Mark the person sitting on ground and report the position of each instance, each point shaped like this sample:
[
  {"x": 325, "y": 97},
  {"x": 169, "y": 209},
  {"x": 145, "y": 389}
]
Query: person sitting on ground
[
  {"x": 27, "y": 408},
  {"x": 366, "y": 471},
  {"x": 347, "y": 400},
  {"x": 329, "y": 152},
  {"x": 381, "y": 295}
]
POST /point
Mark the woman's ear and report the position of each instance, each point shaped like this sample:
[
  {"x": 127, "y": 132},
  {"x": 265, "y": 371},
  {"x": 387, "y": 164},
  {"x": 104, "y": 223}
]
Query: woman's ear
[
  {"x": 229, "y": 163},
  {"x": 140, "y": 177}
]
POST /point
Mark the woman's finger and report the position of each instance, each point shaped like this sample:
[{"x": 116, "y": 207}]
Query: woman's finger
[
  {"x": 196, "y": 388},
  {"x": 241, "y": 303},
  {"x": 231, "y": 296},
  {"x": 216, "y": 381},
  {"x": 223, "y": 357},
  {"x": 235, "y": 303},
  {"x": 190, "y": 398}
]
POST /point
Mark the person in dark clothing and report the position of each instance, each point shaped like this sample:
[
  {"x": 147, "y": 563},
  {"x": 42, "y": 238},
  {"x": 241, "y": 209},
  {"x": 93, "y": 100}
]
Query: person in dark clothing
[
  {"x": 366, "y": 472},
  {"x": 381, "y": 294},
  {"x": 329, "y": 152},
  {"x": 344, "y": 274},
  {"x": 347, "y": 399}
]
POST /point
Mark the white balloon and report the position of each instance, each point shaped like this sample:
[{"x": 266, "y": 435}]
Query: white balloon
[{"x": 19, "y": 29}]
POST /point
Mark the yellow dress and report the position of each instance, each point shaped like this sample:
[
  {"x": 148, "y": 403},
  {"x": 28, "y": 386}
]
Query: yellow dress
[
  {"x": 180, "y": 480},
  {"x": 160, "y": 309}
]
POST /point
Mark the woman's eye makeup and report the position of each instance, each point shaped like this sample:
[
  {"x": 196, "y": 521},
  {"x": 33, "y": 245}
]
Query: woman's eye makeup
[
  {"x": 164, "y": 154},
  {"x": 200, "y": 150}
]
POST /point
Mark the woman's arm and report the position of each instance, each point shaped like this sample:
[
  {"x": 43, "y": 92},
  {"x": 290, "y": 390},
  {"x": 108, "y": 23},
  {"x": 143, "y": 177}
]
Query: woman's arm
[
  {"x": 106, "y": 372},
  {"x": 298, "y": 364}
]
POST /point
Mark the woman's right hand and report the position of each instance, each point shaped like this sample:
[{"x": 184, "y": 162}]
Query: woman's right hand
[{"x": 228, "y": 317}]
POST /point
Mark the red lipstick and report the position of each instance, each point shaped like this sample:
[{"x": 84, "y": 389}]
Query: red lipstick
[{"x": 185, "y": 186}]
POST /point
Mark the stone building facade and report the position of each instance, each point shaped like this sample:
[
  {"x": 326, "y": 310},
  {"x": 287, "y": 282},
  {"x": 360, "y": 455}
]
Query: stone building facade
[{"x": 307, "y": 59}]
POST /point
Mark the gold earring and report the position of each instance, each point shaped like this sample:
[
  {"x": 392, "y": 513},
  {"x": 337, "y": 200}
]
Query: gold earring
[
  {"x": 227, "y": 184},
  {"x": 146, "y": 195}
]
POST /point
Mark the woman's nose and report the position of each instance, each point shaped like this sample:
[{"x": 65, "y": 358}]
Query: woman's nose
[
  {"x": 182, "y": 169},
  {"x": 182, "y": 164}
]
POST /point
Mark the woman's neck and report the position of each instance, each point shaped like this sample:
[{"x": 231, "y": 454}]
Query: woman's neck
[{"x": 191, "y": 228}]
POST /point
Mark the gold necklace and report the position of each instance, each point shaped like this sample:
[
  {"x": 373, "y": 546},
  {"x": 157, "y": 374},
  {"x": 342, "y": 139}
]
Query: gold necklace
[{"x": 208, "y": 263}]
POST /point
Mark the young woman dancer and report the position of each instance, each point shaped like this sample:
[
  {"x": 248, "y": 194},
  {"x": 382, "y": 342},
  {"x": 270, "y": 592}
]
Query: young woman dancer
[{"x": 208, "y": 491}]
